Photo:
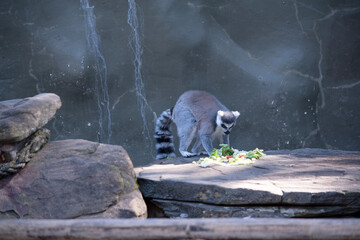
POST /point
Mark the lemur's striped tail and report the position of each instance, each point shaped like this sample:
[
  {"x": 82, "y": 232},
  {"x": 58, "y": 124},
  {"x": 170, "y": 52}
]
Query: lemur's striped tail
[{"x": 163, "y": 136}]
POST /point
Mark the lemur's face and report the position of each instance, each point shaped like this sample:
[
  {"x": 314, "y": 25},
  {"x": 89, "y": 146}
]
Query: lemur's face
[{"x": 227, "y": 120}]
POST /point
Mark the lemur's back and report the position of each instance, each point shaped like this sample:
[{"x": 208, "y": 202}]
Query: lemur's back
[{"x": 201, "y": 104}]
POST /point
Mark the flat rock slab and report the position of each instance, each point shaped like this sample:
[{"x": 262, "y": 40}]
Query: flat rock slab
[
  {"x": 317, "y": 180},
  {"x": 74, "y": 179},
  {"x": 19, "y": 118}
]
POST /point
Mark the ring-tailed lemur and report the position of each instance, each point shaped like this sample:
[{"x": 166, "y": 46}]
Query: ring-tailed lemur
[{"x": 196, "y": 114}]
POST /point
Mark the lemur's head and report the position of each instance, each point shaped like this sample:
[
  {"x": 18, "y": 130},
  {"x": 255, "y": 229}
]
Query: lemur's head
[{"x": 226, "y": 120}]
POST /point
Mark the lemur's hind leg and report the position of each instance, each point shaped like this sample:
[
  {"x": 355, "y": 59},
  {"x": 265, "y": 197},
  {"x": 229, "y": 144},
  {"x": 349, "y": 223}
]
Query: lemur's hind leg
[{"x": 187, "y": 128}]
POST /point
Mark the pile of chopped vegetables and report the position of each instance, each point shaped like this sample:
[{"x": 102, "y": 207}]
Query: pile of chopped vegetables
[{"x": 227, "y": 156}]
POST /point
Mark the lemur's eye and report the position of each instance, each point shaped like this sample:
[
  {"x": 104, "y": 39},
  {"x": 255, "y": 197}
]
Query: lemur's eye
[{"x": 223, "y": 125}]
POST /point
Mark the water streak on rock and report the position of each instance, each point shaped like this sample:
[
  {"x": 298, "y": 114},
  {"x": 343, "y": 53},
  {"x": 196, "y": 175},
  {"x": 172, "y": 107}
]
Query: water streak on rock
[
  {"x": 135, "y": 43},
  {"x": 99, "y": 65}
]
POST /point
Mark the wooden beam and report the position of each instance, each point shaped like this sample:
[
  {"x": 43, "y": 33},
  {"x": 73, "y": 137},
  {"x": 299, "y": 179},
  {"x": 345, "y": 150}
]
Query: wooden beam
[{"x": 220, "y": 228}]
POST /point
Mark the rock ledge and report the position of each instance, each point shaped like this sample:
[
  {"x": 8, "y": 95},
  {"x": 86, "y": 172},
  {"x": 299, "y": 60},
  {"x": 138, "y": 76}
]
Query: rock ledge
[{"x": 289, "y": 183}]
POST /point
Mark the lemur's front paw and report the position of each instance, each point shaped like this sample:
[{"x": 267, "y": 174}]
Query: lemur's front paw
[{"x": 187, "y": 154}]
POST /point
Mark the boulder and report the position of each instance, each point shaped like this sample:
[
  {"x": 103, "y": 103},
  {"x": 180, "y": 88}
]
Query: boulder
[
  {"x": 74, "y": 179},
  {"x": 288, "y": 183},
  {"x": 19, "y": 118}
]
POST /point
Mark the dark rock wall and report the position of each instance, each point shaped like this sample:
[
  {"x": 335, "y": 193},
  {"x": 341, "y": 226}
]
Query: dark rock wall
[{"x": 290, "y": 67}]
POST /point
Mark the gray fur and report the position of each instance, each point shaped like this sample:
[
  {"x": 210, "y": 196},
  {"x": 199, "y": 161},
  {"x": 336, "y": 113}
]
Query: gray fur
[{"x": 200, "y": 115}]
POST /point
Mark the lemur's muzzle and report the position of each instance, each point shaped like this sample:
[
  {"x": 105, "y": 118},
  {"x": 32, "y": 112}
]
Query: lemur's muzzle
[{"x": 227, "y": 132}]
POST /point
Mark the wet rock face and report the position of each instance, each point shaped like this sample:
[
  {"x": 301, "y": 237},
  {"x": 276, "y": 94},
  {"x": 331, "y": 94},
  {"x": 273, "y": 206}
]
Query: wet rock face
[
  {"x": 285, "y": 183},
  {"x": 290, "y": 67},
  {"x": 19, "y": 118},
  {"x": 74, "y": 179}
]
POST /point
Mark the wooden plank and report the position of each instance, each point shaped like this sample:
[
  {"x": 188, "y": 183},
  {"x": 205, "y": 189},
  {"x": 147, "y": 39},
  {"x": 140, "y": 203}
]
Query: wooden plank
[{"x": 223, "y": 228}]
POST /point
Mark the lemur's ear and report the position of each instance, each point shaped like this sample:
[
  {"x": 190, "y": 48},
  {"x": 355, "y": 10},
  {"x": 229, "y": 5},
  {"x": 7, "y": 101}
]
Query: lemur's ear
[
  {"x": 236, "y": 114},
  {"x": 221, "y": 113}
]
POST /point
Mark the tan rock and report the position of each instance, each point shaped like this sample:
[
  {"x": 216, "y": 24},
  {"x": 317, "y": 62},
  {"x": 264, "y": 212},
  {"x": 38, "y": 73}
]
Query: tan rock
[{"x": 73, "y": 179}]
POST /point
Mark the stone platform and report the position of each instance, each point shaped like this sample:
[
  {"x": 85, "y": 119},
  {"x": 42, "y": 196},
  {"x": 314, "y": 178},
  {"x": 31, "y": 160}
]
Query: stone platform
[{"x": 285, "y": 183}]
